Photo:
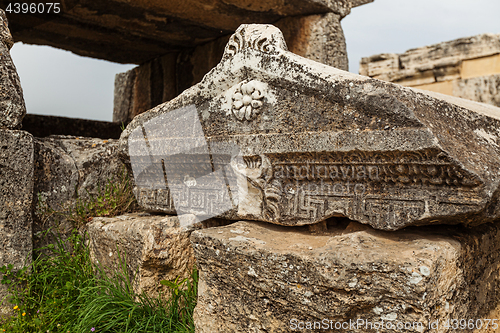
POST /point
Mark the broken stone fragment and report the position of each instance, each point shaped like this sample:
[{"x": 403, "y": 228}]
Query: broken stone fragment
[
  {"x": 256, "y": 277},
  {"x": 270, "y": 136},
  {"x": 12, "y": 108},
  {"x": 68, "y": 169},
  {"x": 155, "y": 247}
]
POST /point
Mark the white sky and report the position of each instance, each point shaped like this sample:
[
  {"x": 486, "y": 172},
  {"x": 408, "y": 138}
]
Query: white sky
[{"x": 58, "y": 82}]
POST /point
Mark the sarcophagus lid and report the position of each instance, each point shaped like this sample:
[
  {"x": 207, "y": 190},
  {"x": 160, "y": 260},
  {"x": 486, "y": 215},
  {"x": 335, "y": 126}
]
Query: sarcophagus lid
[{"x": 268, "y": 135}]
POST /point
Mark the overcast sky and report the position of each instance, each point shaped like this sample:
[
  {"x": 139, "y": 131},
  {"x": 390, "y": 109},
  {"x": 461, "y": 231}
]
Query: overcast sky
[{"x": 57, "y": 82}]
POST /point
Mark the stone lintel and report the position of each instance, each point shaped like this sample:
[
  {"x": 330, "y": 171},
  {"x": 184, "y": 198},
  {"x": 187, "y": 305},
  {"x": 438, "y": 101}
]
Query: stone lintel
[{"x": 137, "y": 32}]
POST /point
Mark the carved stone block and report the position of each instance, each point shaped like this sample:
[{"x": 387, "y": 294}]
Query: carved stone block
[{"x": 270, "y": 136}]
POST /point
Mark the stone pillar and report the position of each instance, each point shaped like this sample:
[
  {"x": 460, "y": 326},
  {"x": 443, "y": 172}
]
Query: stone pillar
[
  {"x": 317, "y": 37},
  {"x": 16, "y": 166},
  {"x": 12, "y": 108},
  {"x": 16, "y": 198},
  {"x": 144, "y": 87}
]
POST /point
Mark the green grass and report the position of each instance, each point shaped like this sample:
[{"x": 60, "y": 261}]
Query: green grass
[
  {"x": 112, "y": 199},
  {"x": 65, "y": 292}
]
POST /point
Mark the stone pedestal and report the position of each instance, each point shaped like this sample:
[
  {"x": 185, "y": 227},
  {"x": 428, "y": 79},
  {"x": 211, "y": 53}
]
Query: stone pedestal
[
  {"x": 255, "y": 277},
  {"x": 16, "y": 197}
]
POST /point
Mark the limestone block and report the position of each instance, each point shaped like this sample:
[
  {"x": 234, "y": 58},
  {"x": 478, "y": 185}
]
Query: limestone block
[
  {"x": 12, "y": 108},
  {"x": 379, "y": 64},
  {"x": 16, "y": 199},
  {"x": 316, "y": 37},
  {"x": 5, "y": 36},
  {"x": 155, "y": 248},
  {"x": 67, "y": 168},
  {"x": 481, "y": 67},
  {"x": 485, "y": 89},
  {"x": 256, "y": 277},
  {"x": 424, "y": 77},
  {"x": 460, "y": 58},
  {"x": 445, "y": 87},
  {"x": 123, "y": 96},
  {"x": 452, "y": 51},
  {"x": 43, "y": 126},
  {"x": 268, "y": 135}
]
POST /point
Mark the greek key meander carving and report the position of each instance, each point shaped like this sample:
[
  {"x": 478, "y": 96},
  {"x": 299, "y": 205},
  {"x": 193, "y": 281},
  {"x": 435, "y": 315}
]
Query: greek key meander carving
[
  {"x": 199, "y": 201},
  {"x": 334, "y": 185},
  {"x": 338, "y": 184}
]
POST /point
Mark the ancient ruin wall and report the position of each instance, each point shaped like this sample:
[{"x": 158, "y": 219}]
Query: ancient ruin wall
[{"x": 466, "y": 68}]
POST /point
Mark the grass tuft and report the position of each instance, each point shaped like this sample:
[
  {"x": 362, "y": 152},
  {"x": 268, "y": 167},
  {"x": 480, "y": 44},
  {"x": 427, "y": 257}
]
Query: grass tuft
[{"x": 65, "y": 292}]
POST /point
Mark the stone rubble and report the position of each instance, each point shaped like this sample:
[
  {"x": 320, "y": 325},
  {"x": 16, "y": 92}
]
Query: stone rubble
[{"x": 466, "y": 68}]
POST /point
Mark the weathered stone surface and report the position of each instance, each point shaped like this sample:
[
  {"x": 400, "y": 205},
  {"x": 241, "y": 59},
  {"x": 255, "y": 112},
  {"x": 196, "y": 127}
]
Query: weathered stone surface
[
  {"x": 16, "y": 199},
  {"x": 12, "y": 108},
  {"x": 43, "y": 126},
  {"x": 5, "y": 36},
  {"x": 437, "y": 58},
  {"x": 123, "y": 96},
  {"x": 150, "y": 84},
  {"x": 67, "y": 168},
  {"x": 485, "y": 89},
  {"x": 139, "y": 31},
  {"x": 155, "y": 247},
  {"x": 268, "y": 135},
  {"x": 356, "y": 3},
  {"x": 256, "y": 277},
  {"x": 317, "y": 37},
  {"x": 465, "y": 68}
]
